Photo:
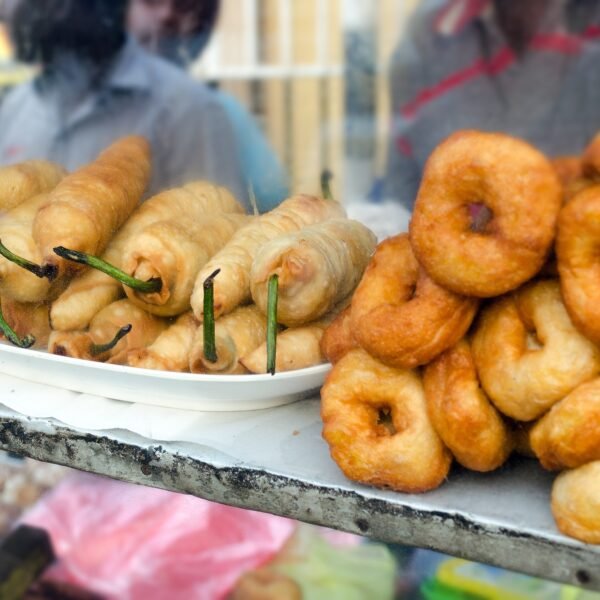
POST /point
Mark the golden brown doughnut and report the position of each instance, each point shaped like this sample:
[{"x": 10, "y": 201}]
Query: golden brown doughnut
[
  {"x": 576, "y": 503},
  {"x": 519, "y": 187},
  {"x": 528, "y": 353},
  {"x": 569, "y": 435},
  {"x": 400, "y": 315},
  {"x": 590, "y": 159},
  {"x": 568, "y": 168},
  {"x": 404, "y": 454},
  {"x": 338, "y": 339},
  {"x": 578, "y": 251},
  {"x": 461, "y": 413}
]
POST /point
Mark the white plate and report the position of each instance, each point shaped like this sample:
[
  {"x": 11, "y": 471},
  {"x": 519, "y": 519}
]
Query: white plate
[{"x": 162, "y": 388}]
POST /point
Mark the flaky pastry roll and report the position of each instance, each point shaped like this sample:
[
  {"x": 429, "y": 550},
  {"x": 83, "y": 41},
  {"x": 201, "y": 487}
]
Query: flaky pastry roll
[
  {"x": 145, "y": 328},
  {"x": 27, "y": 318},
  {"x": 15, "y": 232},
  {"x": 92, "y": 290},
  {"x": 23, "y": 180},
  {"x": 236, "y": 335},
  {"x": 170, "y": 351},
  {"x": 88, "y": 206},
  {"x": 174, "y": 251},
  {"x": 297, "y": 348},
  {"x": 232, "y": 285},
  {"x": 316, "y": 267}
]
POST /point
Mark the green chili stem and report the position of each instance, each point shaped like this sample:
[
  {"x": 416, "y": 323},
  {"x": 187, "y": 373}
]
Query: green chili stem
[
  {"x": 272, "y": 323},
  {"x": 208, "y": 323},
  {"x": 37, "y": 270},
  {"x": 12, "y": 337},
  {"x": 326, "y": 177},
  {"x": 96, "y": 349},
  {"x": 145, "y": 287}
]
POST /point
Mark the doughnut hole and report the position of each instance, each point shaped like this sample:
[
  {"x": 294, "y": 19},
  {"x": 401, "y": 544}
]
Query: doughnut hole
[
  {"x": 480, "y": 217},
  {"x": 385, "y": 422}
]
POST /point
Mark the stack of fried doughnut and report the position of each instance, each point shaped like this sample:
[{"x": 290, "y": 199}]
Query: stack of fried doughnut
[{"x": 477, "y": 334}]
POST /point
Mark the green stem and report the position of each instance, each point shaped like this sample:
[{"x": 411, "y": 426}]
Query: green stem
[
  {"x": 208, "y": 323},
  {"x": 272, "y": 323},
  {"x": 326, "y": 177},
  {"x": 96, "y": 349},
  {"x": 12, "y": 337},
  {"x": 37, "y": 270},
  {"x": 145, "y": 287}
]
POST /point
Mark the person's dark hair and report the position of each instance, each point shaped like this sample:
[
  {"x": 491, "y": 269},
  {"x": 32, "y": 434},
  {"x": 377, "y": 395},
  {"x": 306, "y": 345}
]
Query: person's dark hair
[
  {"x": 205, "y": 13},
  {"x": 95, "y": 29}
]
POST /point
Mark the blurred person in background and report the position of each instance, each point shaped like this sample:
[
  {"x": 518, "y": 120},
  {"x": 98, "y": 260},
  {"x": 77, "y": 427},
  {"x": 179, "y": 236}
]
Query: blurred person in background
[
  {"x": 530, "y": 68},
  {"x": 179, "y": 30},
  {"x": 96, "y": 84}
]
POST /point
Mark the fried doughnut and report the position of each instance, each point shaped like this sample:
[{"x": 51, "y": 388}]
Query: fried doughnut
[
  {"x": 338, "y": 338},
  {"x": 528, "y": 353},
  {"x": 570, "y": 173},
  {"x": 400, "y": 315},
  {"x": 461, "y": 413},
  {"x": 523, "y": 195},
  {"x": 576, "y": 503},
  {"x": 590, "y": 159},
  {"x": 577, "y": 251},
  {"x": 569, "y": 435},
  {"x": 568, "y": 168},
  {"x": 405, "y": 454}
]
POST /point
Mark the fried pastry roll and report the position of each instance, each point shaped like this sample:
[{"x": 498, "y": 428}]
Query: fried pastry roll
[
  {"x": 27, "y": 318},
  {"x": 92, "y": 290},
  {"x": 232, "y": 286},
  {"x": 174, "y": 251},
  {"x": 22, "y": 181},
  {"x": 316, "y": 267},
  {"x": 170, "y": 351},
  {"x": 15, "y": 232},
  {"x": 145, "y": 328},
  {"x": 297, "y": 348},
  {"x": 236, "y": 335},
  {"x": 88, "y": 206}
]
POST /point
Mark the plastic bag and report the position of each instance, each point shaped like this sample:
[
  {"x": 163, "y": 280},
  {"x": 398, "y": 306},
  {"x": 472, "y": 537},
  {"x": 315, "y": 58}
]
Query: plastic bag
[
  {"x": 132, "y": 542},
  {"x": 311, "y": 566},
  {"x": 326, "y": 572}
]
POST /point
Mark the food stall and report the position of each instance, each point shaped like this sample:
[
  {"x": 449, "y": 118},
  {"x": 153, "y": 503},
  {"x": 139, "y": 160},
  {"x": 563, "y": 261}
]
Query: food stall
[{"x": 149, "y": 322}]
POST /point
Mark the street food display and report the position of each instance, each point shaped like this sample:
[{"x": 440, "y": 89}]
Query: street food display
[
  {"x": 471, "y": 337},
  {"x": 476, "y": 335}
]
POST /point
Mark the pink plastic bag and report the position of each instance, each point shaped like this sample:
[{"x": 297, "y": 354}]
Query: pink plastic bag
[{"x": 132, "y": 542}]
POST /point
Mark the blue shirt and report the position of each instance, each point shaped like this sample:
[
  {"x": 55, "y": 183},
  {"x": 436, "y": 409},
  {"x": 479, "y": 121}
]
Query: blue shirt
[
  {"x": 189, "y": 131},
  {"x": 262, "y": 170}
]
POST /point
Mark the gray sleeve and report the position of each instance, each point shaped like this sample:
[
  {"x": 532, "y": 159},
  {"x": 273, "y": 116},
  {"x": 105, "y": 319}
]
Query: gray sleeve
[
  {"x": 196, "y": 141},
  {"x": 406, "y": 76}
]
